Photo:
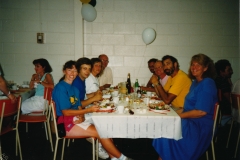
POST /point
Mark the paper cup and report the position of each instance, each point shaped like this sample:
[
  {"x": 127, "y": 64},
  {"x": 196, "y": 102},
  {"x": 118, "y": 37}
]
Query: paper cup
[{"x": 120, "y": 109}]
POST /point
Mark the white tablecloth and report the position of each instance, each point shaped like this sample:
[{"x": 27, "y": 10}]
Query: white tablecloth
[{"x": 149, "y": 125}]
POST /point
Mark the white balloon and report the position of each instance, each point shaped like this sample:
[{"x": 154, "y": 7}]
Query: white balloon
[
  {"x": 148, "y": 35},
  {"x": 89, "y": 13}
]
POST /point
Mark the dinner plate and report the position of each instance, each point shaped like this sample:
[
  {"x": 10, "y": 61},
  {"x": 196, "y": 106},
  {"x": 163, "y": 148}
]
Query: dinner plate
[
  {"x": 160, "y": 111},
  {"x": 105, "y": 109}
]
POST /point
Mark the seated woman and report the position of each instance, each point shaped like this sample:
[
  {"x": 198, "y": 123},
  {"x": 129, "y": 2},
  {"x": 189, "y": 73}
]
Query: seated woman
[
  {"x": 42, "y": 78},
  {"x": 197, "y": 116},
  {"x": 92, "y": 83},
  {"x": 70, "y": 112}
]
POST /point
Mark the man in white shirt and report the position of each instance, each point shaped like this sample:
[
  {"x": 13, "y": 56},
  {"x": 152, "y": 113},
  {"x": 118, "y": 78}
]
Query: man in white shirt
[{"x": 105, "y": 78}]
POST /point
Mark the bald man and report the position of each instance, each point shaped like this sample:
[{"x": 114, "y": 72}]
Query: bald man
[{"x": 105, "y": 78}]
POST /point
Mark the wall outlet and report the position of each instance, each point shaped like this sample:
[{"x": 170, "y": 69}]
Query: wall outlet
[{"x": 40, "y": 38}]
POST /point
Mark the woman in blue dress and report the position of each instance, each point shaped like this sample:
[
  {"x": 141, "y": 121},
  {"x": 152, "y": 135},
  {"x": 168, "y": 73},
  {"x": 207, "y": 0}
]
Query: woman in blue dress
[
  {"x": 70, "y": 112},
  {"x": 197, "y": 115}
]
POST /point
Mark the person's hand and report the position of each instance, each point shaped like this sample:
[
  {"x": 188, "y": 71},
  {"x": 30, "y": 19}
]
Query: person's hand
[
  {"x": 93, "y": 108},
  {"x": 154, "y": 79},
  {"x": 12, "y": 97},
  {"x": 97, "y": 96},
  {"x": 80, "y": 119}
]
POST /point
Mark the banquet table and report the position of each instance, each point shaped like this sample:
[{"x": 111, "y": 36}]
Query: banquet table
[
  {"x": 25, "y": 93},
  {"x": 138, "y": 125}
]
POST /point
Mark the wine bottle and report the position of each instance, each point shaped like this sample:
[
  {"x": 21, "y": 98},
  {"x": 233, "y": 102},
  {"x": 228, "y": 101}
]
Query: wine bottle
[
  {"x": 128, "y": 83},
  {"x": 136, "y": 86}
]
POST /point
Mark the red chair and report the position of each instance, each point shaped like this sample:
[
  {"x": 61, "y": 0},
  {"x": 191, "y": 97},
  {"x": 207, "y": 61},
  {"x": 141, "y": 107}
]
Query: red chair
[
  {"x": 41, "y": 112},
  {"x": 54, "y": 114},
  {"x": 235, "y": 100},
  {"x": 215, "y": 116},
  {"x": 31, "y": 118},
  {"x": 7, "y": 108}
]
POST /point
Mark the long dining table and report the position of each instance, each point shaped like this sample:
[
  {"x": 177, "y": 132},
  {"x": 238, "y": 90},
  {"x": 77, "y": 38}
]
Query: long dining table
[
  {"x": 25, "y": 93},
  {"x": 138, "y": 125}
]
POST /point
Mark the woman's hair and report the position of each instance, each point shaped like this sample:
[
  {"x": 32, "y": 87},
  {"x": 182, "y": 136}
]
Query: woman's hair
[
  {"x": 82, "y": 61},
  {"x": 68, "y": 65},
  {"x": 95, "y": 60},
  {"x": 205, "y": 61},
  {"x": 44, "y": 63},
  {"x": 221, "y": 65}
]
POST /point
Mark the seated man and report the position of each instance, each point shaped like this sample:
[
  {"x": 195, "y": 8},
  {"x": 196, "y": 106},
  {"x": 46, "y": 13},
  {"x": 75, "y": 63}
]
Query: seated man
[
  {"x": 105, "y": 78},
  {"x": 224, "y": 85},
  {"x": 149, "y": 86},
  {"x": 83, "y": 67},
  {"x": 179, "y": 86}
]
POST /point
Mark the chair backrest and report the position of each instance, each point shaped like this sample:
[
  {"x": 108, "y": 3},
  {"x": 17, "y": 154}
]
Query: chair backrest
[
  {"x": 235, "y": 99},
  {"x": 215, "y": 116},
  {"x": 54, "y": 115},
  {"x": 7, "y": 108},
  {"x": 48, "y": 94}
]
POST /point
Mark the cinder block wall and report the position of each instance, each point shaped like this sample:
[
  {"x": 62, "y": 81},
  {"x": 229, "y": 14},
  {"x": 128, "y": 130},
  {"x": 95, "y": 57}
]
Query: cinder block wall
[{"x": 183, "y": 28}]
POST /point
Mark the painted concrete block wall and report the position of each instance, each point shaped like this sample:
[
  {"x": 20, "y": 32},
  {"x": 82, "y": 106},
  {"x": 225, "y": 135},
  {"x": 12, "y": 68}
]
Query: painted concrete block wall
[
  {"x": 183, "y": 28},
  {"x": 20, "y": 21}
]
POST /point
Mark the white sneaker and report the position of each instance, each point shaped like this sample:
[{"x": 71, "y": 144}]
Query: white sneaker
[{"x": 102, "y": 153}]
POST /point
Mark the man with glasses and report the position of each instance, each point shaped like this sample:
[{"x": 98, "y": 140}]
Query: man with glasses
[{"x": 105, "y": 78}]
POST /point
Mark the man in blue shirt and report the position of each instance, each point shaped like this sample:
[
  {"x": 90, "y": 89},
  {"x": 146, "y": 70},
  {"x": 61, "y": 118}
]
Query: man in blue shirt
[{"x": 84, "y": 66}]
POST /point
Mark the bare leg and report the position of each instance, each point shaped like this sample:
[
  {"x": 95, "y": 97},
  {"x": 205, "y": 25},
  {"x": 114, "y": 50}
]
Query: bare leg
[{"x": 92, "y": 132}]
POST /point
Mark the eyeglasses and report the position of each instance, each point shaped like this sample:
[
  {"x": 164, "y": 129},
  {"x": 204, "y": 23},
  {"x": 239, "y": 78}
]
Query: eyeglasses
[{"x": 105, "y": 61}]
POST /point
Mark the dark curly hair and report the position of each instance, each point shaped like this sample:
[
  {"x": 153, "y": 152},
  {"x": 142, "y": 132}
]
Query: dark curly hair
[
  {"x": 173, "y": 59},
  {"x": 205, "y": 61},
  {"x": 221, "y": 65},
  {"x": 44, "y": 63},
  {"x": 68, "y": 64}
]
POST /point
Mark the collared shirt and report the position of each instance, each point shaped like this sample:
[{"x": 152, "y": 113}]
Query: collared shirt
[{"x": 106, "y": 77}]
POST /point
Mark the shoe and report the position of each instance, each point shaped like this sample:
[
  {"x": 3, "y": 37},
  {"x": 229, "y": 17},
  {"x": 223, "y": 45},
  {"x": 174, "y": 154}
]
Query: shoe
[
  {"x": 102, "y": 153},
  {"x": 89, "y": 140}
]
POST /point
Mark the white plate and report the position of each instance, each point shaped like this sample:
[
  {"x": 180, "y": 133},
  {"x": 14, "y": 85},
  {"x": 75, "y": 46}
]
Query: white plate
[
  {"x": 160, "y": 111},
  {"x": 105, "y": 109}
]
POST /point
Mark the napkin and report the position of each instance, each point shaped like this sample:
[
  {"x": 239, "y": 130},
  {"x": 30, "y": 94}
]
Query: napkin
[{"x": 106, "y": 96}]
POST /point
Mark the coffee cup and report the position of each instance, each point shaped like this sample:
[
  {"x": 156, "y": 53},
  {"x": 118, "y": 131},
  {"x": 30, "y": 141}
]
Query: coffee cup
[
  {"x": 146, "y": 100},
  {"x": 115, "y": 99},
  {"x": 149, "y": 94},
  {"x": 120, "y": 109},
  {"x": 114, "y": 93}
]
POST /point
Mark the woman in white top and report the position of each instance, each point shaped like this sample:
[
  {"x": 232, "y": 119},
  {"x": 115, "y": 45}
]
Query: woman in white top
[{"x": 92, "y": 84}]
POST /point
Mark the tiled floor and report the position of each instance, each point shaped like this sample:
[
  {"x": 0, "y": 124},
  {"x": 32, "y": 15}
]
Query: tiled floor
[{"x": 36, "y": 147}]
